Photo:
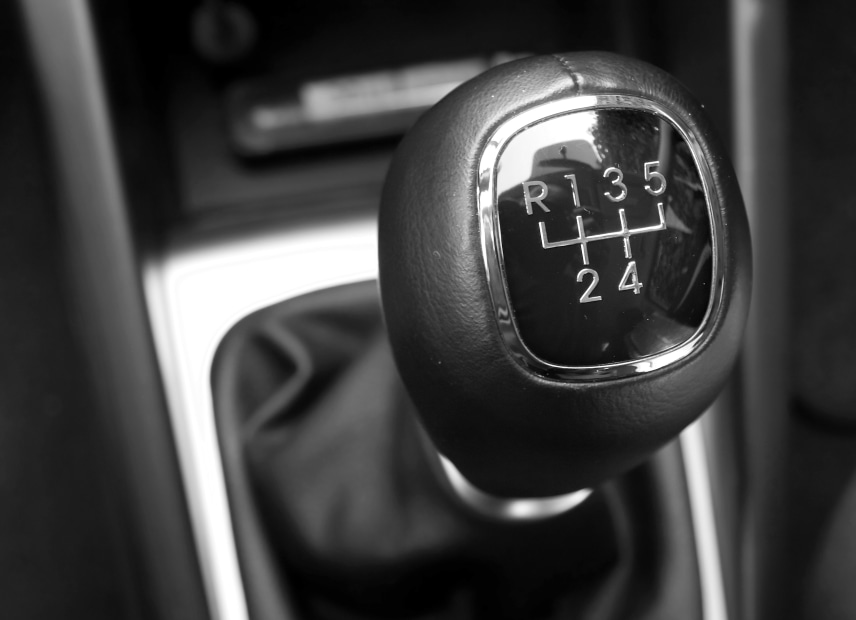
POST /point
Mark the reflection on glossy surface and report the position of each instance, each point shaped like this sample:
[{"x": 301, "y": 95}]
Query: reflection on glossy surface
[{"x": 605, "y": 237}]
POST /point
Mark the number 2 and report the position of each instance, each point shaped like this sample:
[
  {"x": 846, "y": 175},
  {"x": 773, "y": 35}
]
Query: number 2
[{"x": 587, "y": 298}]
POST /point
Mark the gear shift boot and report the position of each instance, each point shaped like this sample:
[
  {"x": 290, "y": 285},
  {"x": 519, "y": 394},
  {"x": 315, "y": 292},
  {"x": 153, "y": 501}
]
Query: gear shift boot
[{"x": 355, "y": 520}]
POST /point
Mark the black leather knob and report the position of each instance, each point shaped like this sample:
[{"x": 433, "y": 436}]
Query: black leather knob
[{"x": 565, "y": 270}]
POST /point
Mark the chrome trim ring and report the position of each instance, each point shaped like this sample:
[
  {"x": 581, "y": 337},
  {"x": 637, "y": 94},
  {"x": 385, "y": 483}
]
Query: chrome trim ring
[
  {"x": 492, "y": 249},
  {"x": 507, "y": 508}
]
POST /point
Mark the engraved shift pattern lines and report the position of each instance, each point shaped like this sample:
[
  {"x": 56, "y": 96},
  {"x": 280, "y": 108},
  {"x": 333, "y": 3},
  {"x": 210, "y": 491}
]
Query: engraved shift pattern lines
[{"x": 583, "y": 240}]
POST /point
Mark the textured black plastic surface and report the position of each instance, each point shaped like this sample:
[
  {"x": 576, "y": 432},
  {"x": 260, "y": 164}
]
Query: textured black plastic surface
[
  {"x": 63, "y": 553},
  {"x": 508, "y": 430}
]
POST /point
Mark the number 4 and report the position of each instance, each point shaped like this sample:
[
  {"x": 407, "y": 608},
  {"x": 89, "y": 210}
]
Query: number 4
[{"x": 630, "y": 280}]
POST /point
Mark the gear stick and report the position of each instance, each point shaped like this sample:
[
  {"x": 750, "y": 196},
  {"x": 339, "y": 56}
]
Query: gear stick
[{"x": 565, "y": 270}]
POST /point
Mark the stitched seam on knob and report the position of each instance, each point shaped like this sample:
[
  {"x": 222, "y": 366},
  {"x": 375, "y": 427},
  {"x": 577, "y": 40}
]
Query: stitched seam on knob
[{"x": 570, "y": 70}]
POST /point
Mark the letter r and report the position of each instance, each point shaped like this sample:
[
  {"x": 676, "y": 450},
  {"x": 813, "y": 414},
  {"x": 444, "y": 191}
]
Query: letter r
[{"x": 529, "y": 198}]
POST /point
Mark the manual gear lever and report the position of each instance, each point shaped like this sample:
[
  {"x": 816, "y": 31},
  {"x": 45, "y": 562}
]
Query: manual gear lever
[{"x": 565, "y": 270}]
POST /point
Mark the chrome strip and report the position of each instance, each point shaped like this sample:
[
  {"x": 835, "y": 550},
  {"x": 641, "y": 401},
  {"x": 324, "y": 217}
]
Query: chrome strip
[
  {"x": 195, "y": 293},
  {"x": 506, "y": 508},
  {"x": 694, "y": 452},
  {"x": 492, "y": 241}
]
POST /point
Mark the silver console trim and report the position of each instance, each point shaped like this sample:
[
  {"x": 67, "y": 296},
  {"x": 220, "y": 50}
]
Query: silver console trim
[
  {"x": 696, "y": 466},
  {"x": 196, "y": 291}
]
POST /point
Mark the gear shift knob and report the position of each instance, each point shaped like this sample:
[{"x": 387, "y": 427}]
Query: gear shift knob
[{"x": 565, "y": 270}]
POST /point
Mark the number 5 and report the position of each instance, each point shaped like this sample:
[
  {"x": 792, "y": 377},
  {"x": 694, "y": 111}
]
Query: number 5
[{"x": 650, "y": 174}]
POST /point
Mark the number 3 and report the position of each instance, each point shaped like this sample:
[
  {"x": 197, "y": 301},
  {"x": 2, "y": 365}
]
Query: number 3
[{"x": 617, "y": 181}]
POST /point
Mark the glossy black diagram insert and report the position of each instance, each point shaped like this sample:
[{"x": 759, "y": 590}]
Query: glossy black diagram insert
[{"x": 605, "y": 236}]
